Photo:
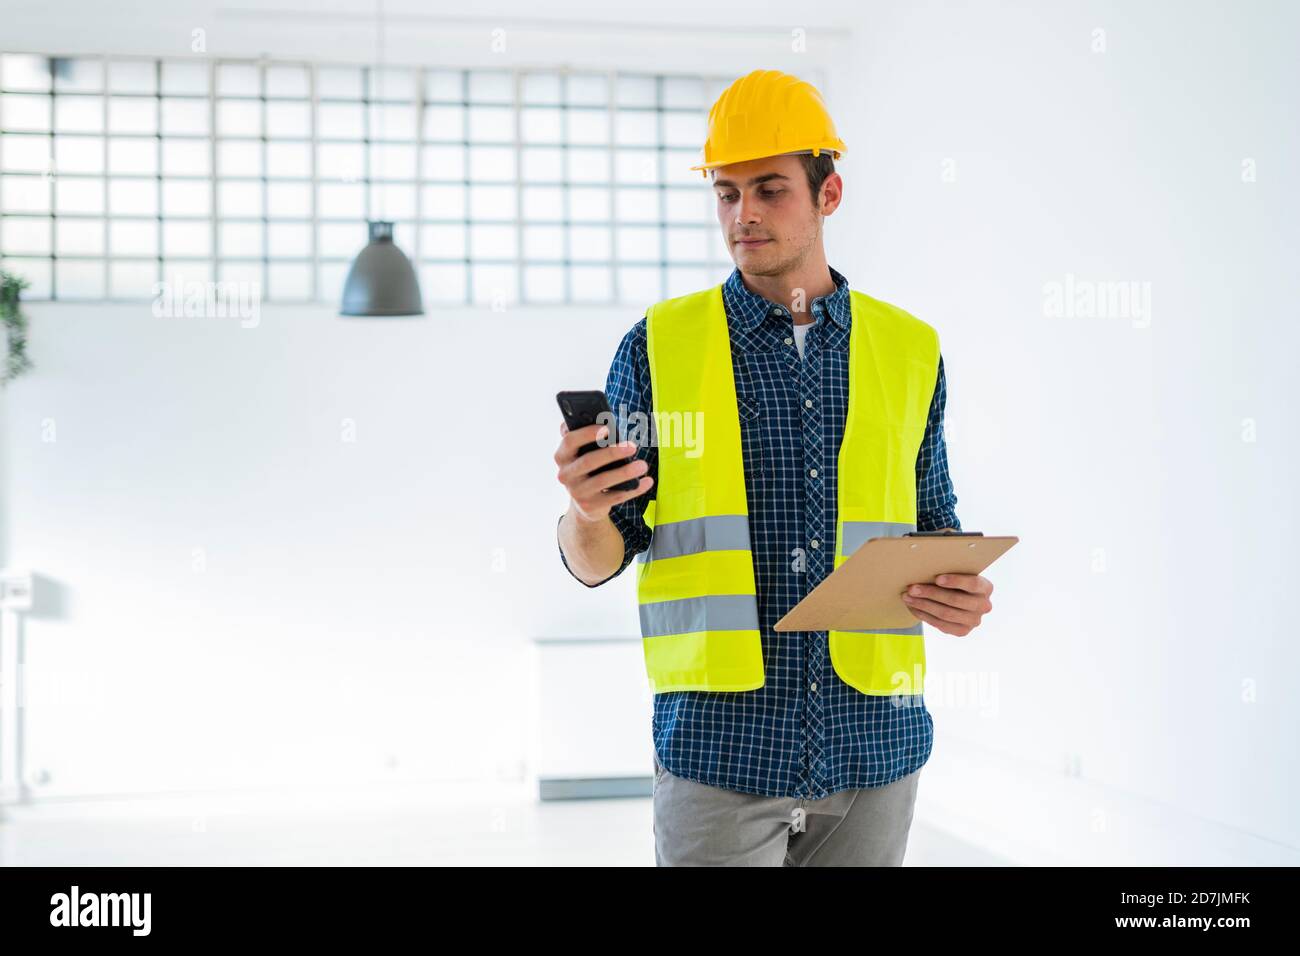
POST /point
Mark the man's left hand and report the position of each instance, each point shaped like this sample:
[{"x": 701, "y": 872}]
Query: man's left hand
[{"x": 955, "y": 604}]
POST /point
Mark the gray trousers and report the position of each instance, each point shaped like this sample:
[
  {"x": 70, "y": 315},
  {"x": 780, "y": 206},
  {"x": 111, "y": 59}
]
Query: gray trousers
[{"x": 699, "y": 825}]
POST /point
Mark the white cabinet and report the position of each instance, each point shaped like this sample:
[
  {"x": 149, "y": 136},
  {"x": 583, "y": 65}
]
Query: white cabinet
[{"x": 593, "y": 718}]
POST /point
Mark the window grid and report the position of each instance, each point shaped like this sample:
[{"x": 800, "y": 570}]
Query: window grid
[
  {"x": 160, "y": 228},
  {"x": 108, "y": 208},
  {"x": 517, "y": 130},
  {"x": 478, "y": 276},
  {"x": 313, "y": 90},
  {"x": 214, "y": 230},
  {"x": 269, "y": 292}
]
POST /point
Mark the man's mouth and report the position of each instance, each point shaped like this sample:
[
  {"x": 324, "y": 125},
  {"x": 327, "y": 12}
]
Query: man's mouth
[{"x": 752, "y": 242}]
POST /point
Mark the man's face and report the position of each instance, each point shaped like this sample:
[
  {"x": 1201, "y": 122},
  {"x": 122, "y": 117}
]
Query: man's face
[{"x": 767, "y": 213}]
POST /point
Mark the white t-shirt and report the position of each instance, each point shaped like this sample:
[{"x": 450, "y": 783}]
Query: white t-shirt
[{"x": 801, "y": 332}]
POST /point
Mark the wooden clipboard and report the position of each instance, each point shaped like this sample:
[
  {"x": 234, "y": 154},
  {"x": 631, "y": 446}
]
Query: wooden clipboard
[{"x": 866, "y": 591}]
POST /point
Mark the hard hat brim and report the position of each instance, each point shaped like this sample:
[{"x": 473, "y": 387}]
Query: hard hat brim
[{"x": 838, "y": 151}]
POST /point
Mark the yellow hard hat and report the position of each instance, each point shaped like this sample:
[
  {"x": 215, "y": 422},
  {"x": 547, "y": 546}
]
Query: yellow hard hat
[{"x": 768, "y": 113}]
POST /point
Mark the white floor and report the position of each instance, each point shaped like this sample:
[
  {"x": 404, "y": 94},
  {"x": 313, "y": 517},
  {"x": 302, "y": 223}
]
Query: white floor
[{"x": 414, "y": 825}]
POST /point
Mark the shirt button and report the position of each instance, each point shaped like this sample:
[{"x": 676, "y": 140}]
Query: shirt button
[
  {"x": 807, "y": 403},
  {"x": 789, "y": 341},
  {"x": 815, "y": 543},
  {"x": 812, "y": 472},
  {"x": 813, "y": 688}
]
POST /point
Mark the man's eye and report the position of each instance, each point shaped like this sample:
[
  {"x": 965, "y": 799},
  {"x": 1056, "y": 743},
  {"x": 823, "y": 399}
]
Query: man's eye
[{"x": 769, "y": 193}]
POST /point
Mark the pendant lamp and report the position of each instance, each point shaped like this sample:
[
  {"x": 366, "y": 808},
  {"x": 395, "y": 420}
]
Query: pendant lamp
[{"x": 382, "y": 280}]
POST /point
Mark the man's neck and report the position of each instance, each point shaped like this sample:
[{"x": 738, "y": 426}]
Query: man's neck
[{"x": 807, "y": 282}]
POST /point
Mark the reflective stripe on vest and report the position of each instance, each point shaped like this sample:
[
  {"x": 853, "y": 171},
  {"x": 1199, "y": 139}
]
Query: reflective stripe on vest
[
  {"x": 710, "y": 533},
  {"x": 695, "y": 584}
]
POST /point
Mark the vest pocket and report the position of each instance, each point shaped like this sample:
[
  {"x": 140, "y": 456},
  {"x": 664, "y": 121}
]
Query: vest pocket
[{"x": 751, "y": 437}]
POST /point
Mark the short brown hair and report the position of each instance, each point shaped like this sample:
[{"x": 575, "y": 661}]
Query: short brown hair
[{"x": 817, "y": 169}]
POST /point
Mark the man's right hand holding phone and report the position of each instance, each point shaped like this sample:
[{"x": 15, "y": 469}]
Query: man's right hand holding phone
[
  {"x": 589, "y": 499},
  {"x": 592, "y": 545}
]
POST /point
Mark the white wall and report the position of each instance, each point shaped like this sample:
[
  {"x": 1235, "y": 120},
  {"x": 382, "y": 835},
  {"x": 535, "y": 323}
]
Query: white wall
[
  {"x": 1106, "y": 444},
  {"x": 349, "y": 612},
  {"x": 248, "y": 595}
]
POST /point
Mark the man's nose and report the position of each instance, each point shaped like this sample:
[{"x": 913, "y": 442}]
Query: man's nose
[{"x": 746, "y": 211}]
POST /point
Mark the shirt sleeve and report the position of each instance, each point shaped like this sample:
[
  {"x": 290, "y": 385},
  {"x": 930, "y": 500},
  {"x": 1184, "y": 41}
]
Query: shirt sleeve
[
  {"x": 627, "y": 389},
  {"x": 936, "y": 503}
]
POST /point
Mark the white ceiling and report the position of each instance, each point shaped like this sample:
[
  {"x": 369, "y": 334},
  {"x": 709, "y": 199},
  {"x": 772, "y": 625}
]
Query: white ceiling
[{"x": 671, "y": 33}]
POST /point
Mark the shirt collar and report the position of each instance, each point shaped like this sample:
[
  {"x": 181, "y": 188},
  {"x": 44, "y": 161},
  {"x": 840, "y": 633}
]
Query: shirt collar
[{"x": 750, "y": 309}]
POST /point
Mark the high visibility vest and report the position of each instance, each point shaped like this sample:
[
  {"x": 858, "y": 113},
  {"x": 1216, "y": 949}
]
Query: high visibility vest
[{"x": 695, "y": 583}]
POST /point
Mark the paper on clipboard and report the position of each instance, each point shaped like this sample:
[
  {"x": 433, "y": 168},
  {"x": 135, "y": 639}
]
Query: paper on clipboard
[{"x": 866, "y": 590}]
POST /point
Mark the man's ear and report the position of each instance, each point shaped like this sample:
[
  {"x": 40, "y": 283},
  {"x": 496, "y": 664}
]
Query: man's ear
[{"x": 833, "y": 191}]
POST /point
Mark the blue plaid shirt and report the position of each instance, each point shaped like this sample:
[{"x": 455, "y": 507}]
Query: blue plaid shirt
[{"x": 805, "y": 733}]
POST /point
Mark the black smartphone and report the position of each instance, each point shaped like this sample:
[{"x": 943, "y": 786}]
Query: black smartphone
[{"x": 581, "y": 409}]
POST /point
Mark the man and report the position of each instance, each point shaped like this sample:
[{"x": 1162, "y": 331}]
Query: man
[{"x": 773, "y": 748}]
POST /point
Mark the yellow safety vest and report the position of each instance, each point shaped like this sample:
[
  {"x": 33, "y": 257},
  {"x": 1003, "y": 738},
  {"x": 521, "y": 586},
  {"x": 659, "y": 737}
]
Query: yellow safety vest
[{"x": 695, "y": 585}]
